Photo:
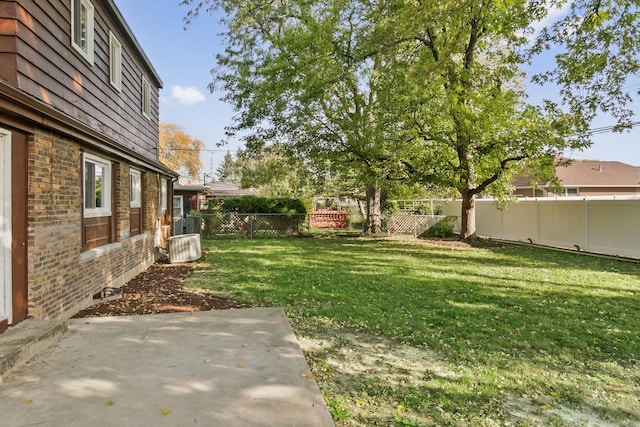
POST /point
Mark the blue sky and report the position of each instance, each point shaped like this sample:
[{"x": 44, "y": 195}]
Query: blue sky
[{"x": 184, "y": 59}]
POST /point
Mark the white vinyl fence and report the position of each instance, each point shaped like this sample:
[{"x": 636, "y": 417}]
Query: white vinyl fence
[{"x": 596, "y": 224}]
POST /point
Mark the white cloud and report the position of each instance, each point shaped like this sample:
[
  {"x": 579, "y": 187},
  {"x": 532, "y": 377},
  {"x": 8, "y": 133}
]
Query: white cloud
[{"x": 187, "y": 95}]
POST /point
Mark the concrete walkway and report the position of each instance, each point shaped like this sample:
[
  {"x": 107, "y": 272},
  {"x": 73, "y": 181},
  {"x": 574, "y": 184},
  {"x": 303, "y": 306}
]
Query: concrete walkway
[{"x": 217, "y": 368}]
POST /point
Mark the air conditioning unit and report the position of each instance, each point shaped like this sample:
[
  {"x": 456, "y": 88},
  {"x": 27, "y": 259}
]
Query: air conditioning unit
[{"x": 184, "y": 248}]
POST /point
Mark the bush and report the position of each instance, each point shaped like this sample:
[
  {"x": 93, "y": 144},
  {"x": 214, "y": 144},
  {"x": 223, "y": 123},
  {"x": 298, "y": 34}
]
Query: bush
[
  {"x": 424, "y": 209},
  {"x": 443, "y": 228},
  {"x": 255, "y": 204}
]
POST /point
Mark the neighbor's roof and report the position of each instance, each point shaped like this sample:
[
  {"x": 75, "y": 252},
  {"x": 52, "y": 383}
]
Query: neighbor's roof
[
  {"x": 221, "y": 189},
  {"x": 189, "y": 187},
  {"x": 594, "y": 173}
]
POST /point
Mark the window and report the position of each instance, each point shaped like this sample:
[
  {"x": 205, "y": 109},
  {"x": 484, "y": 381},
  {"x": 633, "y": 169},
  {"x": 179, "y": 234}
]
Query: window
[
  {"x": 136, "y": 213},
  {"x": 177, "y": 207},
  {"x": 97, "y": 186},
  {"x": 82, "y": 28},
  {"x": 539, "y": 192},
  {"x": 115, "y": 62},
  {"x": 163, "y": 196},
  {"x": 98, "y": 223},
  {"x": 571, "y": 192},
  {"x": 146, "y": 98},
  {"x": 135, "y": 188}
]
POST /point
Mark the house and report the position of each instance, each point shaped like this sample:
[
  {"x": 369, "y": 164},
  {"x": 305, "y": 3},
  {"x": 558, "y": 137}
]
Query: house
[
  {"x": 186, "y": 199},
  {"x": 215, "y": 190},
  {"x": 227, "y": 189},
  {"x": 585, "y": 178},
  {"x": 84, "y": 199}
]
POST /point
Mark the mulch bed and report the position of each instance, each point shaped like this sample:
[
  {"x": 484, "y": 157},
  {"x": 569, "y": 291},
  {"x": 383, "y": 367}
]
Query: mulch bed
[{"x": 159, "y": 290}]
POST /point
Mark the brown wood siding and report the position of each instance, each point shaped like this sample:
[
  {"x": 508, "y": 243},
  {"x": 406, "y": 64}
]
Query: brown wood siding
[
  {"x": 50, "y": 69},
  {"x": 20, "y": 215},
  {"x": 96, "y": 232},
  {"x": 135, "y": 221},
  {"x": 8, "y": 22}
]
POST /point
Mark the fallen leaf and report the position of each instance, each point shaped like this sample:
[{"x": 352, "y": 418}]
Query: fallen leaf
[
  {"x": 28, "y": 402},
  {"x": 166, "y": 411},
  {"x": 240, "y": 366},
  {"x": 110, "y": 402}
]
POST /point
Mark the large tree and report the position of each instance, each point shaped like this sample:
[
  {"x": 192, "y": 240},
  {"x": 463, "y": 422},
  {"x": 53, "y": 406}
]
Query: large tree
[
  {"x": 179, "y": 150},
  {"x": 307, "y": 73},
  {"x": 460, "y": 96},
  {"x": 427, "y": 90}
]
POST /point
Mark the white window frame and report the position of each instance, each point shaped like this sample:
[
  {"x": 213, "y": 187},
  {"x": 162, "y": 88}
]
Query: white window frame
[
  {"x": 566, "y": 191},
  {"x": 84, "y": 47},
  {"x": 163, "y": 208},
  {"x": 135, "y": 188},
  {"x": 146, "y": 98},
  {"x": 180, "y": 206},
  {"x": 105, "y": 209},
  {"x": 115, "y": 62}
]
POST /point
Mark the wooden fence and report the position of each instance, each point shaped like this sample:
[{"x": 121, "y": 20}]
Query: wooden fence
[{"x": 328, "y": 219}]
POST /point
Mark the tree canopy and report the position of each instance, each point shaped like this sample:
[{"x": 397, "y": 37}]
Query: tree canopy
[
  {"x": 180, "y": 151},
  {"x": 425, "y": 91}
]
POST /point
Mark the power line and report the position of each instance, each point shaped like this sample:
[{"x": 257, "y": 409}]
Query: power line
[{"x": 607, "y": 129}]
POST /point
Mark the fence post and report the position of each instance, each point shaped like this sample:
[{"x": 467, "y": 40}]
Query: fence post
[{"x": 586, "y": 224}]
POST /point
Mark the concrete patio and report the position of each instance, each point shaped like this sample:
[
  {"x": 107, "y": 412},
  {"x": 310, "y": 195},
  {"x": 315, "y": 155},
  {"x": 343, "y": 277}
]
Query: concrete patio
[{"x": 216, "y": 368}]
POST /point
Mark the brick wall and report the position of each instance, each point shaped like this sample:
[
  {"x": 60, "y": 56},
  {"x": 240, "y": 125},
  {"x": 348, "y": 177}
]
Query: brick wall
[{"x": 62, "y": 278}]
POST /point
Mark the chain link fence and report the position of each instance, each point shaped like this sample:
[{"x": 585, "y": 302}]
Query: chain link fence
[{"x": 259, "y": 225}]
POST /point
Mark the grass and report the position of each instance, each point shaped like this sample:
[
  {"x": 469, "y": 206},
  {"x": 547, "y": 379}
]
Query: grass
[{"x": 407, "y": 333}]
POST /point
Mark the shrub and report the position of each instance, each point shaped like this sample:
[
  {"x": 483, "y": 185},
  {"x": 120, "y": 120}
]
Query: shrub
[
  {"x": 255, "y": 204},
  {"x": 424, "y": 209},
  {"x": 443, "y": 228}
]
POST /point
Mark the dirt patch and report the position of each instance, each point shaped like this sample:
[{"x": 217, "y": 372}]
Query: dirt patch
[
  {"x": 159, "y": 290},
  {"x": 454, "y": 242}
]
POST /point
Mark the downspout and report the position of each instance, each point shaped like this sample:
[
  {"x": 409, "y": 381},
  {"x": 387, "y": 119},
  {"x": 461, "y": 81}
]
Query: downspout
[{"x": 158, "y": 233}]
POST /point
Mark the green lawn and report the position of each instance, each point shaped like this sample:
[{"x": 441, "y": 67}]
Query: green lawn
[{"x": 407, "y": 333}]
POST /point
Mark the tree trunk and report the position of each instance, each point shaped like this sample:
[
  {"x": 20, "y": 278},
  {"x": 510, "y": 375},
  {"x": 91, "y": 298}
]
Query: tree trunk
[
  {"x": 374, "y": 221},
  {"x": 468, "y": 222},
  {"x": 363, "y": 210}
]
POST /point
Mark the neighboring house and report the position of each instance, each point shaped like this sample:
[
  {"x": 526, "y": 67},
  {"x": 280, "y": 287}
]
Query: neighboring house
[
  {"x": 227, "y": 189},
  {"x": 185, "y": 199},
  {"x": 585, "y": 178},
  {"x": 85, "y": 201}
]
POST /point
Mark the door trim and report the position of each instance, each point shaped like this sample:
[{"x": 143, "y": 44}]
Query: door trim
[{"x": 6, "y": 235}]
